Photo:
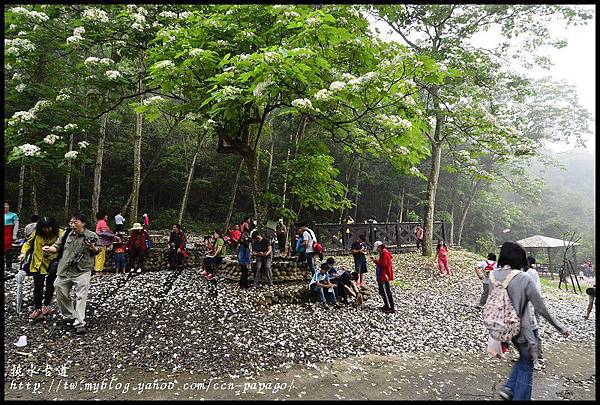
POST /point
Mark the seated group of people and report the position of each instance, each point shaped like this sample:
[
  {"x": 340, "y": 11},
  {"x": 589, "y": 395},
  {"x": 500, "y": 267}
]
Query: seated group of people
[{"x": 331, "y": 285}]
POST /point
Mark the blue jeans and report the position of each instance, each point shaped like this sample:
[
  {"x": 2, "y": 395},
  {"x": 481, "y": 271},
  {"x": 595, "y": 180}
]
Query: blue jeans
[
  {"x": 322, "y": 293},
  {"x": 120, "y": 261},
  {"x": 520, "y": 380}
]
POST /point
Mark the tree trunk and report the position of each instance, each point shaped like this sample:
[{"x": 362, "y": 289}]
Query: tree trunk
[
  {"x": 452, "y": 227},
  {"x": 98, "y": 165},
  {"x": 401, "y": 205},
  {"x": 271, "y": 150},
  {"x": 34, "y": 201},
  {"x": 387, "y": 218},
  {"x": 21, "y": 188},
  {"x": 463, "y": 217},
  {"x": 137, "y": 158},
  {"x": 188, "y": 186},
  {"x": 82, "y": 173},
  {"x": 357, "y": 193},
  {"x": 348, "y": 176},
  {"x": 68, "y": 183},
  {"x": 234, "y": 193},
  {"x": 434, "y": 174}
]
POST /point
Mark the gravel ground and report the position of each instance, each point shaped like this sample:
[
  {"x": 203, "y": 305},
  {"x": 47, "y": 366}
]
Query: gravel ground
[{"x": 176, "y": 321}]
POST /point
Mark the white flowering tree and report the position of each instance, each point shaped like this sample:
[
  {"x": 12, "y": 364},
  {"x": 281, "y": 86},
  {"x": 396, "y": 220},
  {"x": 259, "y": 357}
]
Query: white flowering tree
[{"x": 443, "y": 32}]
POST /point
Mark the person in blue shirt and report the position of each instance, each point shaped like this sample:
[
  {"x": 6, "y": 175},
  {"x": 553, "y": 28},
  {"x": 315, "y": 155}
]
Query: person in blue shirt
[
  {"x": 321, "y": 285},
  {"x": 244, "y": 261}
]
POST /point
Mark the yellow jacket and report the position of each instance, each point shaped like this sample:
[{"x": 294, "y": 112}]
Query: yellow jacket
[{"x": 39, "y": 261}]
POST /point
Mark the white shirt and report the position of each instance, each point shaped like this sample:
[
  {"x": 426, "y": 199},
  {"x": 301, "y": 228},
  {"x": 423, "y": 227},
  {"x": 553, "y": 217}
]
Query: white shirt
[
  {"x": 482, "y": 265},
  {"x": 535, "y": 277},
  {"x": 119, "y": 219},
  {"x": 307, "y": 236}
]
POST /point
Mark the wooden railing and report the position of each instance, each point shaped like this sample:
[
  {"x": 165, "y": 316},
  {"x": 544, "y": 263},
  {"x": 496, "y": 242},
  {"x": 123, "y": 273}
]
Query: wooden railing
[{"x": 339, "y": 237}]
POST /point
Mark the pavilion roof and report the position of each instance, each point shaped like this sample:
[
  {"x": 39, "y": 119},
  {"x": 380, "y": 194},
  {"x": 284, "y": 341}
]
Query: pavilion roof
[{"x": 539, "y": 241}]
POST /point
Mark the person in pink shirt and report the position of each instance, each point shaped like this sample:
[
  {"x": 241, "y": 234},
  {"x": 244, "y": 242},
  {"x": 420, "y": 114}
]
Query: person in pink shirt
[
  {"x": 441, "y": 253},
  {"x": 106, "y": 238},
  {"x": 146, "y": 219}
]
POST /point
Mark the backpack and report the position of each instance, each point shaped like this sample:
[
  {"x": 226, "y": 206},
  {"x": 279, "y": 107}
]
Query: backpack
[
  {"x": 499, "y": 315},
  {"x": 489, "y": 265},
  {"x": 317, "y": 247}
]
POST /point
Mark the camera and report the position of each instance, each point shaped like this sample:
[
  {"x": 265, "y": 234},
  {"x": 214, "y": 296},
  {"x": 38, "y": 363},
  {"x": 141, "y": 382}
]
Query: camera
[
  {"x": 91, "y": 239},
  {"x": 75, "y": 260}
]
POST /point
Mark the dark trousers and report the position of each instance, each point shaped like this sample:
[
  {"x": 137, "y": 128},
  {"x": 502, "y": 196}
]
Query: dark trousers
[
  {"x": 175, "y": 259},
  {"x": 484, "y": 294},
  {"x": 419, "y": 243},
  {"x": 281, "y": 242},
  {"x": 38, "y": 289},
  {"x": 211, "y": 263},
  {"x": 244, "y": 278},
  {"x": 136, "y": 255},
  {"x": 8, "y": 260},
  {"x": 386, "y": 294},
  {"x": 119, "y": 228}
]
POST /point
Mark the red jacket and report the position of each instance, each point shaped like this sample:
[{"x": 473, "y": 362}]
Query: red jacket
[{"x": 386, "y": 272}]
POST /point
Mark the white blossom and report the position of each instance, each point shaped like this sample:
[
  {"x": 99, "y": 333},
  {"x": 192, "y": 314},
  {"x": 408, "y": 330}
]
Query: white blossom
[
  {"x": 40, "y": 105},
  {"x": 83, "y": 144},
  {"x": 322, "y": 94},
  {"x": 290, "y": 14},
  {"x": 95, "y": 14},
  {"x": 247, "y": 34},
  {"x": 62, "y": 97},
  {"x": 72, "y": 154},
  {"x": 272, "y": 57},
  {"x": 139, "y": 18},
  {"x": 302, "y": 103},
  {"x": 91, "y": 61},
  {"x": 112, "y": 74},
  {"x": 348, "y": 76},
  {"x": 74, "y": 39},
  {"x": 153, "y": 100},
  {"x": 69, "y": 127},
  {"x": 30, "y": 150},
  {"x": 413, "y": 170},
  {"x": 18, "y": 45},
  {"x": 106, "y": 61},
  {"x": 185, "y": 15},
  {"x": 36, "y": 15},
  {"x": 222, "y": 42},
  {"x": 168, "y": 14},
  {"x": 20, "y": 87},
  {"x": 394, "y": 122},
  {"x": 195, "y": 52},
  {"x": 165, "y": 64},
  {"x": 335, "y": 86},
  {"x": 312, "y": 22},
  {"x": 137, "y": 26},
  {"x": 51, "y": 138},
  {"x": 403, "y": 150},
  {"x": 78, "y": 31},
  {"x": 231, "y": 91},
  {"x": 192, "y": 116},
  {"x": 260, "y": 87}
]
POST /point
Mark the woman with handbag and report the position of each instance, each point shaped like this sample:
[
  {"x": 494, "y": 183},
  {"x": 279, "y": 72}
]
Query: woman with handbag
[
  {"x": 41, "y": 265},
  {"x": 106, "y": 239}
]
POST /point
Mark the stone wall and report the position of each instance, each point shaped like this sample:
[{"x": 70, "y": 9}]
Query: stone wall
[{"x": 284, "y": 269}]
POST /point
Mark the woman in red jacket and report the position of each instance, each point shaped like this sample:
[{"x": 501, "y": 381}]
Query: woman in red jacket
[
  {"x": 441, "y": 253},
  {"x": 384, "y": 276}
]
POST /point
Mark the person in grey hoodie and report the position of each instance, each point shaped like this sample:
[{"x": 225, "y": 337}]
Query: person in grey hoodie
[{"x": 522, "y": 291}]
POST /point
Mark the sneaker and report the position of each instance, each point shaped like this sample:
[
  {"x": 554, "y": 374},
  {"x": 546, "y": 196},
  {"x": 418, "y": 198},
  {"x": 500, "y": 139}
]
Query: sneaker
[
  {"x": 132, "y": 270},
  {"x": 80, "y": 330},
  {"x": 389, "y": 311},
  {"x": 37, "y": 314},
  {"x": 514, "y": 359},
  {"x": 204, "y": 273},
  {"x": 210, "y": 277},
  {"x": 47, "y": 310},
  {"x": 505, "y": 393},
  {"x": 479, "y": 306},
  {"x": 538, "y": 366}
]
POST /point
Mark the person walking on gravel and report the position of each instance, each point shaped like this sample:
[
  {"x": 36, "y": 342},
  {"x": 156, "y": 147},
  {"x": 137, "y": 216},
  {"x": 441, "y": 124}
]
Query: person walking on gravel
[
  {"x": 45, "y": 234},
  {"x": 441, "y": 253},
  {"x": 261, "y": 249},
  {"x": 521, "y": 291},
  {"x": 483, "y": 272},
  {"x": 11, "y": 228},
  {"x": 359, "y": 253},
  {"x": 106, "y": 239},
  {"x": 385, "y": 276},
  {"x": 74, "y": 271}
]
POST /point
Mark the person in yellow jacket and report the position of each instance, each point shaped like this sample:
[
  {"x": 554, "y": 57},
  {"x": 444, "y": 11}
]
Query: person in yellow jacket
[{"x": 45, "y": 234}]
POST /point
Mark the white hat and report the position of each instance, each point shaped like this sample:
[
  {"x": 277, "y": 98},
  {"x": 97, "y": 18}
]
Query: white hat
[
  {"x": 376, "y": 245},
  {"x": 22, "y": 342},
  {"x": 136, "y": 227}
]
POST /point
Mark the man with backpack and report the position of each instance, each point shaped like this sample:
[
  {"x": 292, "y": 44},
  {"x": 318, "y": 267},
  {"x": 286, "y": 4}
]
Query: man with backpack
[
  {"x": 77, "y": 253},
  {"x": 483, "y": 269},
  {"x": 507, "y": 316},
  {"x": 309, "y": 241}
]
